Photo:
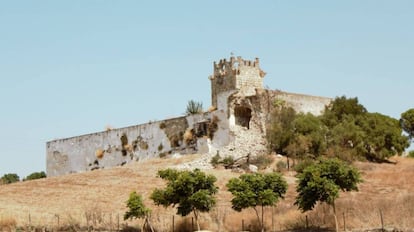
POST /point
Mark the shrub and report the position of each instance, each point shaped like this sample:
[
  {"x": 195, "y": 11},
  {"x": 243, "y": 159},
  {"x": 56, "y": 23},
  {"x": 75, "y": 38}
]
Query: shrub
[
  {"x": 228, "y": 161},
  {"x": 281, "y": 166},
  {"x": 303, "y": 164},
  {"x": 215, "y": 160},
  {"x": 10, "y": 178},
  {"x": 411, "y": 154},
  {"x": 194, "y": 107},
  {"x": 261, "y": 161},
  {"x": 35, "y": 175}
]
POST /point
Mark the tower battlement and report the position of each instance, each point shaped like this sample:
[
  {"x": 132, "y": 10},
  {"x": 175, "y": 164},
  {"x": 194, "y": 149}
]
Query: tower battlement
[{"x": 236, "y": 74}]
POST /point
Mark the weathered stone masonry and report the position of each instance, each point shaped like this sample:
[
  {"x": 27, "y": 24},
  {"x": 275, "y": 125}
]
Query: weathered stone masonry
[{"x": 241, "y": 110}]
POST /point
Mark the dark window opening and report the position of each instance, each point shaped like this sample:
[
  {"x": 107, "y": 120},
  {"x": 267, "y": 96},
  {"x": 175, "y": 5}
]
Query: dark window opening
[{"x": 243, "y": 116}]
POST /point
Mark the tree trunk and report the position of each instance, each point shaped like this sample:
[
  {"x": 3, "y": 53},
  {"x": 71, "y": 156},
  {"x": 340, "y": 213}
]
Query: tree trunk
[
  {"x": 336, "y": 219},
  {"x": 196, "y": 219},
  {"x": 258, "y": 218},
  {"x": 262, "y": 219}
]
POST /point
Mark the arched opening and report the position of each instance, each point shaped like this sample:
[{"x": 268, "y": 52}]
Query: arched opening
[{"x": 243, "y": 115}]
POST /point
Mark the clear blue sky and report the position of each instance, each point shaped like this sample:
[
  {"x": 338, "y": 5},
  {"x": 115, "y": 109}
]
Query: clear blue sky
[{"x": 72, "y": 67}]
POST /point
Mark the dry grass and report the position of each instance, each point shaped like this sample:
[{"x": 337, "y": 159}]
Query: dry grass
[
  {"x": 7, "y": 223},
  {"x": 99, "y": 153},
  {"x": 96, "y": 199}
]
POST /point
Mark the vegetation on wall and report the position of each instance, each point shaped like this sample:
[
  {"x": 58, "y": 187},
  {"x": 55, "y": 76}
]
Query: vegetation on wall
[{"x": 194, "y": 107}]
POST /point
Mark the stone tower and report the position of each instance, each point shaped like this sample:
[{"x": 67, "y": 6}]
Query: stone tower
[{"x": 237, "y": 74}]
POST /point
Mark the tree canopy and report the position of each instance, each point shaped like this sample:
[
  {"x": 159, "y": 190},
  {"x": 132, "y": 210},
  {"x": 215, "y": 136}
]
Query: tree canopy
[
  {"x": 407, "y": 122},
  {"x": 322, "y": 181},
  {"x": 256, "y": 190},
  {"x": 345, "y": 130},
  {"x": 192, "y": 191}
]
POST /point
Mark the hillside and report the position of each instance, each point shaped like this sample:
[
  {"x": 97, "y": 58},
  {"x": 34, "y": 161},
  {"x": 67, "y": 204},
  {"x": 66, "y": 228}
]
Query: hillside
[{"x": 98, "y": 198}]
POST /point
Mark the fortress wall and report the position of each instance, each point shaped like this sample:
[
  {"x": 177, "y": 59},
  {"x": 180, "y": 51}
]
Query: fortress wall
[
  {"x": 300, "y": 102},
  {"x": 120, "y": 146}
]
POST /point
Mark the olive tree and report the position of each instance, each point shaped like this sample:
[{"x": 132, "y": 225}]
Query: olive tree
[
  {"x": 322, "y": 181},
  {"x": 191, "y": 191},
  {"x": 256, "y": 190}
]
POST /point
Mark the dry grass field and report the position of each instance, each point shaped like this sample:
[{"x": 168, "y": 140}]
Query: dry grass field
[{"x": 97, "y": 199}]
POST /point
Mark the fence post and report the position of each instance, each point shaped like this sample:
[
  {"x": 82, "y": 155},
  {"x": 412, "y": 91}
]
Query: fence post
[
  {"x": 173, "y": 226},
  {"x": 242, "y": 224},
  {"x": 307, "y": 222},
  {"x": 343, "y": 215},
  {"x": 118, "y": 222},
  {"x": 273, "y": 218},
  {"x": 382, "y": 221}
]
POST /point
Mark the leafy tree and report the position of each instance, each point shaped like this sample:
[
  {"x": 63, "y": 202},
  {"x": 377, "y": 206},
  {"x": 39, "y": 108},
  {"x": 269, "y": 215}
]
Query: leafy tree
[
  {"x": 10, "y": 178},
  {"x": 280, "y": 132},
  {"x": 256, "y": 190},
  {"x": 384, "y": 137},
  {"x": 322, "y": 181},
  {"x": 137, "y": 209},
  {"x": 35, "y": 175},
  {"x": 407, "y": 122},
  {"x": 312, "y": 129},
  {"x": 194, "y": 107},
  {"x": 341, "y": 107},
  {"x": 192, "y": 191}
]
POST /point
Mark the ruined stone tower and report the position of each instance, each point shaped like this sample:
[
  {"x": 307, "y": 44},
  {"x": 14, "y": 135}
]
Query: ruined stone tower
[{"x": 244, "y": 76}]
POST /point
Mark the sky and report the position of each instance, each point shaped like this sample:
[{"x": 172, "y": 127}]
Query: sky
[{"x": 74, "y": 67}]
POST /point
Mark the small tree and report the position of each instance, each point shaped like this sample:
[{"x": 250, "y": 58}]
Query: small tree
[
  {"x": 322, "y": 181},
  {"x": 256, "y": 190},
  {"x": 194, "y": 107},
  {"x": 10, "y": 178},
  {"x": 35, "y": 175},
  {"x": 137, "y": 209},
  {"x": 192, "y": 191}
]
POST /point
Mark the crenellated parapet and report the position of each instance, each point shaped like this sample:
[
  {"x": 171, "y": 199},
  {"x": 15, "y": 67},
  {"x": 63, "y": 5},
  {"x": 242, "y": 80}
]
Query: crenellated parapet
[
  {"x": 233, "y": 66},
  {"x": 236, "y": 74}
]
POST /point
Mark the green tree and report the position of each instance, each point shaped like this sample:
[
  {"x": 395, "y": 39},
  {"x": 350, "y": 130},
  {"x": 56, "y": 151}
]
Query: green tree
[
  {"x": 341, "y": 107},
  {"x": 322, "y": 181},
  {"x": 10, "y": 178},
  {"x": 194, "y": 107},
  {"x": 280, "y": 131},
  {"x": 192, "y": 191},
  {"x": 35, "y": 175},
  {"x": 137, "y": 209},
  {"x": 407, "y": 122},
  {"x": 256, "y": 190},
  {"x": 383, "y": 136}
]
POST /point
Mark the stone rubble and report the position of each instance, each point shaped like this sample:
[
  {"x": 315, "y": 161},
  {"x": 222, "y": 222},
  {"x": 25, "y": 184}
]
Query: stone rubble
[{"x": 246, "y": 141}]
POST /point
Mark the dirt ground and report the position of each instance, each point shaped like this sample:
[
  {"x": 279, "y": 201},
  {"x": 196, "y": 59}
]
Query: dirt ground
[{"x": 97, "y": 199}]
